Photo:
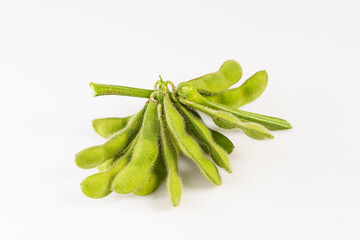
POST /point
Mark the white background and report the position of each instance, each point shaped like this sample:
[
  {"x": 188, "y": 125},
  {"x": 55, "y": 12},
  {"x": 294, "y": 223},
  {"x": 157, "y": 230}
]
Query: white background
[{"x": 304, "y": 184}]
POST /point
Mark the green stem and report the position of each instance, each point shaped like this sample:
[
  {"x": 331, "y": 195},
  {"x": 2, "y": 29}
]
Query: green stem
[{"x": 105, "y": 89}]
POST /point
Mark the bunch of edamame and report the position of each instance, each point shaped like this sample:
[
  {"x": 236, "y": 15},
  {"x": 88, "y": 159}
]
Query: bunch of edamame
[{"x": 143, "y": 149}]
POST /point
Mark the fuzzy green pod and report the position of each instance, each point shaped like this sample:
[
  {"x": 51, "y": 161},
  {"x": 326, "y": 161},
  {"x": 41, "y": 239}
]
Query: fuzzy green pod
[
  {"x": 201, "y": 132},
  {"x": 253, "y": 130},
  {"x": 219, "y": 138},
  {"x": 250, "y": 90},
  {"x": 154, "y": 179},
  {"x": 99, "y": 185},
  {"x": 188, "y": 146},
  {"x": 94, "y": 156},
  {"x": 106, "y": 127},
  {"x": 170, "y": 152},
  {"x": 272, "y": 123},
  {"x": 229, "y": 73},
  {"x": 109, "y": 163},
  {"x": 202, "y": 144},
  {"x": 144, "y": 156},
  {"x": 222, "y": 141}
]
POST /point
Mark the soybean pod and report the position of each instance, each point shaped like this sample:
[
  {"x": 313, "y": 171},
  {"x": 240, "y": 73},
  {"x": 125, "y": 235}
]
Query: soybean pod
[
  {"x": 106, "y": 127},
  {"x": 144, "y": 156},
  {"x": 229, "y": 73},
  {"x": 188, "y": 146},
  {"x": 99, "y": 185},
  {"x": 109, "y": 163},
  {"x": 170, "y": 152},
  {"x": 94, "y": 156},
  {"x": 222, "y": 141},
  {"x": 219, "y": 138},
  {"x": 203, "y": 133},
  {"x": 250, "y": 90},
  {"x": 154, "y": 178}
]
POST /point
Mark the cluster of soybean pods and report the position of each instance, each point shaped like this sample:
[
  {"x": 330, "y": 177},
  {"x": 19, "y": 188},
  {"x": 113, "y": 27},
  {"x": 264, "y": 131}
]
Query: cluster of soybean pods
[{"x": 143, "y": 149}]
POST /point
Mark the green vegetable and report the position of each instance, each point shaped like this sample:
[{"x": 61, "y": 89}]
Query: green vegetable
[
  {"x": 228, "y": 74},
  {"x": 144, "y": 156},
  {"x": 170, "y": 152},
  {"x": 154, "y": 178},
  {"x": 143, "y": 149},
  {"x": 203, "y": 133},
  {"x": 189, "y": 146},
  {"x": 106, "y": 127},
  {"x": 219, "y": 138},
  {"x": 250, "y": 90},
  {"x": 99, "y": 185},
  {"x": 222, "y": 141},
  {"x": 94, "y": 156}
]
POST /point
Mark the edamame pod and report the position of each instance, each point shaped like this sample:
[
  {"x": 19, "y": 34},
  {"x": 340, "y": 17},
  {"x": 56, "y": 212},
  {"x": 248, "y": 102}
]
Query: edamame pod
[
  {"x": 154, "y": 179},
  {"x": 253, "y": 130},
  {"x": 222, "y": 141},
  {"x": 206, "y": 148},
  {"x": 96, "y": 155},
  {"x": 229, "y": 73},
  {"x": 202, "y": 144},
  {"x": 203, "y": 133},
  {"x": 271, "y": 123},
  {"x": 99, "y": 185},
  {"x": 170, "y": 152},
  {"x": 188, "y": 145},
  {"x": 219, "y": 138},
  {"x": 144, "y": 156},
  {"x": 106, "y": 127},
  {"x": 250, "y": 90},
  {"x": 109, "y": 163}
]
